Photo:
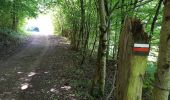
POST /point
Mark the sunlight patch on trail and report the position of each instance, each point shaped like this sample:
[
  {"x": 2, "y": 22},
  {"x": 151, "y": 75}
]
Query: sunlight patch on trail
[
  {"x": 42, "y": 25},
  {"x": 31, "y": 74},
  {"x": 24, "y": 86},
  {"x": 53, "y": 90},
  {"x": 20, "y": 72},
  {"x": 66, "y": 87},
  {"x": 26, "y": 80},
  {"x": 46, "y": 72}
]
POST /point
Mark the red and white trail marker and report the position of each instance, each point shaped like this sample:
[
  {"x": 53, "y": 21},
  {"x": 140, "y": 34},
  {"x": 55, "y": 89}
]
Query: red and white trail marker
[{"x": 141, "y": 49}]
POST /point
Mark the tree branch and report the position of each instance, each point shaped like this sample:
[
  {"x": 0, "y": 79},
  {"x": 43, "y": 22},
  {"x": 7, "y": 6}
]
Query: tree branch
[{"x": 155, "y": 17}]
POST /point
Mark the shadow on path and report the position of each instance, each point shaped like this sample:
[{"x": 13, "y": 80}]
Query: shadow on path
[{"x": 38, "y": 71}]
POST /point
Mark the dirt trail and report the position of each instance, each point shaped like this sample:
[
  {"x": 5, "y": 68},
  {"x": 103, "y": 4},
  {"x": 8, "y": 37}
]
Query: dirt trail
[
  {"x": 31, "y": 54},
  {"x": 36, "y": 72}
]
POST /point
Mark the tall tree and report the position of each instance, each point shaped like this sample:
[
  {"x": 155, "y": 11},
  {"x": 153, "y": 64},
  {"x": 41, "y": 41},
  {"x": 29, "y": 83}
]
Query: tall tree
[
  {"x": 162, "y": 82},
  {"x": 14, "y": 15},
  {"x": 100, "y": 75},
  {"x": 82, "y": 24}
]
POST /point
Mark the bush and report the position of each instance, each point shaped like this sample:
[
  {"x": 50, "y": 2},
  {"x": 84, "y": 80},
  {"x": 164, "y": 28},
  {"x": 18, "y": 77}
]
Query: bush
[
  {"x": 148, "y": 80},
  {"x": 8, "y": 36}
]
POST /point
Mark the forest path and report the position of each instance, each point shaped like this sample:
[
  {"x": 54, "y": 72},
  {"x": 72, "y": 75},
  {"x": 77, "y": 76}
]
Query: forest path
[{"x": 38, "y": 71}]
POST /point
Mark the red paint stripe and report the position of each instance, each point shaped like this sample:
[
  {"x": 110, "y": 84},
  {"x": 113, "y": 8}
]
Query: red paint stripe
[{"x": 141, "y": 49}]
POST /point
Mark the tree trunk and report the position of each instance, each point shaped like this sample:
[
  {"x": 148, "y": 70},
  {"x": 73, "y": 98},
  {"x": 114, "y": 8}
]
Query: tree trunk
[
  {"x": 162, "y": 82},
  {"x": 14, "y": 16},
  {"x": 131, "y": 67},
  {"x": 87, "y": 35},
  {"x": 108, "y": 41},
  {"x": 82, "y": 25},
  {"x": 100, "y": 75},
  {"x": 135, "y": 81}
]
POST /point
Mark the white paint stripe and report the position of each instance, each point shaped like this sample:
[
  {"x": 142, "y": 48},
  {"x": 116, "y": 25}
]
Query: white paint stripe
[{"x": 141, "y": 45}]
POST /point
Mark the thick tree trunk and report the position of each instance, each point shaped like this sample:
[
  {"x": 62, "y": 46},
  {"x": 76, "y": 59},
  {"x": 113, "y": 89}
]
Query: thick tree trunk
[
  {"x": 162, "y": 82},
  {"x": 134, "y": 87},
  {"x": 122, "y": 73},
  {"x": 131, "y": 67}
]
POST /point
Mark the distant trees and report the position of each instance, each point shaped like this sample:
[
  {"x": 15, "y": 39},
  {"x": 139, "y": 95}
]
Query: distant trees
[{"x": 14, "y": 11}]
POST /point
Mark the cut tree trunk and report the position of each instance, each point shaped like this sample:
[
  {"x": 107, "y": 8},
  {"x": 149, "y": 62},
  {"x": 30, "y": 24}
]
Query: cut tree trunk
[
  {"x": 162, "y": 77},
  {"x": 131, "y": 67},
  {"x": 134, "y": 88}
]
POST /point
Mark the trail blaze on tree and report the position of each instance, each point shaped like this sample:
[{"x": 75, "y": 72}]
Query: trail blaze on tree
[
  {"x": 162, "y": 82},
  {"x": 131, "y": 68}
]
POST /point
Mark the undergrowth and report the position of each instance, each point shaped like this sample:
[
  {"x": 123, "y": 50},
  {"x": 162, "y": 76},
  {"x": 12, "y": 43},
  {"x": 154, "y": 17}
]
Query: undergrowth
[{"x": 8, "y": 37}]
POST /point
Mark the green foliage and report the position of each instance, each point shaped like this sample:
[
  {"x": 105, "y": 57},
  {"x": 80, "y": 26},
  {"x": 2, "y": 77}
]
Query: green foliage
[
  {"x": 11, "y": 33},
  {"x": 17, "y": 10},
  {"x": 69, "y": 14},
  {"x": 148, "y": 79},
  {"x": 8, "y": 37}
]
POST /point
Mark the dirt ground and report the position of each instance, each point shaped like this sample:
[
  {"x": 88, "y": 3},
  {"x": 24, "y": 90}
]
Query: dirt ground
[
  {"x": 39, "y": 71},
  {"x": 46, "y": 68}
]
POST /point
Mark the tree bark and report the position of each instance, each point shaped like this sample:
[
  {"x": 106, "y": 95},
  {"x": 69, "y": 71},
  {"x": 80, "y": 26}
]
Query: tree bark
[
  {"x": 102, "y": 46},
  {"x": 100, "y": 75},
  {"x": 162, "y": 77},
  {"x": 87, "y": 34},
  {"x": 82, "y": 25},
  {"x": 131, "y": 67},
  {"x": 135, "y": 81}
]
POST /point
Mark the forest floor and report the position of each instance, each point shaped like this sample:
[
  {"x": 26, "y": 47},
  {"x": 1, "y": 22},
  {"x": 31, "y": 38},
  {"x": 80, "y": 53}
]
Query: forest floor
[
  {"x": 45, "y": 68},
  {"x": 42, "y": 69}
]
